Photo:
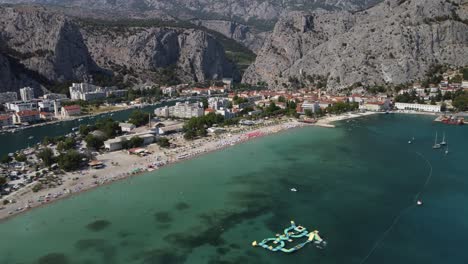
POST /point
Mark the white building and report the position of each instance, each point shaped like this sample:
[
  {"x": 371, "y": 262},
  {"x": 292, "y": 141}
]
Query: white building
[
  {"x": 418, "y": 107},
  {"x": 88, "y": 92},
  {"x": 226, "y": 113},
  {"x": 8, "y": 97},
  {"x": 373, "y": 106},
  {"x": 21, "y": 106},
  {"x": 312, "y": 106},
  {"x": 48, "y": 105},
  {"x": 217, "y": 103},
  {"x": 464, "y": 84},
  {"x": 127, "y": 127},
  {"x": 54, "y": 96},
  {"x": 27, "y": 94},
  {"x": 180, "y": 110}
]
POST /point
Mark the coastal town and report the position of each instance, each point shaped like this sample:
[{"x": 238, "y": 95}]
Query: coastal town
[{"x": 194, "y": 120}]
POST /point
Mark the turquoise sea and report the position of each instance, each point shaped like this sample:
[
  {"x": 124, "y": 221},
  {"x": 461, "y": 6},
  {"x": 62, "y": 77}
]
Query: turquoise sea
[{"x": 352, "y": 183}]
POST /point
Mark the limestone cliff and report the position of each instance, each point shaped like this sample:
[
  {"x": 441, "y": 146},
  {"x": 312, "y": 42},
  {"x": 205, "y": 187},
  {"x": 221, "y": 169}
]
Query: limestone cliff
[
  {"x": 394, "y": 42},
  {"x": 49, "y": 48}
]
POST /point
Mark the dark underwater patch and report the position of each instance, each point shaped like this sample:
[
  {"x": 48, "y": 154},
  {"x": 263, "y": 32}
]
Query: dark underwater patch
[
  {"x": 98, "y": 225},
  {"x": 222, "y": 250},
  {"x": 53, "y": 258},
  {"x": 101, "y": 246},
  {"x": 163, "y": 217},
  {"x": 217, "y": 223},
  {"x": 157, "y": 256},
  {"x": 182, "y": 206}
]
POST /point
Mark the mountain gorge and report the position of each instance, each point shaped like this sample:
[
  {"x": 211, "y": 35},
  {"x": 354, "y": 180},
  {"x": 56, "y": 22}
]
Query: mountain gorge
[{"x": 395, "y": 42}]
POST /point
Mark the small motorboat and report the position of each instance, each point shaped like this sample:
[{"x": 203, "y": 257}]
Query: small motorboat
[
  {"x": 293, "y": 190},
  {"x": 419, "y": 203},
  {"x": 409, "y": 142}
]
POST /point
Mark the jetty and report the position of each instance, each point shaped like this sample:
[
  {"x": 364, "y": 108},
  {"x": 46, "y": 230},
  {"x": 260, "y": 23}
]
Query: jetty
[{"x": 286, "y": 242}]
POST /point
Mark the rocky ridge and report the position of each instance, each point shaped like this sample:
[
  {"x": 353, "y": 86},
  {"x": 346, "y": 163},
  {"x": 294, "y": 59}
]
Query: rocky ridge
[
  {"x": 396, "y": 42},
  {"x": 50, "y": 48}
]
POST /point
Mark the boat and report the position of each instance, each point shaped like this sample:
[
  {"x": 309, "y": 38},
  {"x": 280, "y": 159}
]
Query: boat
[
  {"x": 293, "y": 190},
  {"x": 443, "y": 143},
  {"x": 446, "y": 150},
  {"x": 436, "y": 145},
  {"x": 31, "y": 137},
  {"x": 419, "y": 203},
  {"x": 453, "y": 121}
]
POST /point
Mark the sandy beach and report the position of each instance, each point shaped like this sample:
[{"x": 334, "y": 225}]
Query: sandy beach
[{"x": 120, "y": 165}]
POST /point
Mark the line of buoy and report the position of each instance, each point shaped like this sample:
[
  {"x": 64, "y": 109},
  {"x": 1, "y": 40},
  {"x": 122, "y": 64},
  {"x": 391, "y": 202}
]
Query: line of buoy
[{"x": 416, "y": 200}]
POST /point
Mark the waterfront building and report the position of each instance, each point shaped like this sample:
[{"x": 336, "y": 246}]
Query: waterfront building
[
  {"x": 374, "y": 106},
  {"x": 127, "y": 127},
  {"x": 48, "y": 105},
  {"x": 71, "y": 110},
  {"x": 88, "y": 92},
  {"x": 18, "y": 106},
  {"x": 8, "y": 97},
  {"x": 418, "y": 107},
  {"x": 116, "y": 143},
  {"x": 164, "y": 130},
  {"x": 46, "y": 115},
  {"x": 312, "y": 106},
  {"x": 27, "y": 94},
  {"x": 26, "y": 116},
  {"x": 180, "y": 110},
  {"x": 6, "y": 120}
]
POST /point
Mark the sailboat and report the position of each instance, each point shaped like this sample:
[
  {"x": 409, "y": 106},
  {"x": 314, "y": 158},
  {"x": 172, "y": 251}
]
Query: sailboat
[
  {"x": 446, "y": 149},
  {"x": 443, "y": 143},
  {"x": 436, "y": 145}
]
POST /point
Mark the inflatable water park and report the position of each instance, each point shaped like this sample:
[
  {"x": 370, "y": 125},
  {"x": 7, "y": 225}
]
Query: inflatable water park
[{"x": 286, "y": 242}]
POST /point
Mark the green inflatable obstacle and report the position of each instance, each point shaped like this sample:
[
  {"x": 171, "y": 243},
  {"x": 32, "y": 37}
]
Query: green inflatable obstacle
[{"x": 285, "y": 242}]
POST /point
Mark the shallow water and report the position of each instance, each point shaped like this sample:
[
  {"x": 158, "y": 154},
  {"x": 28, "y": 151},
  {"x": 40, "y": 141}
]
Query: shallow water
[{"x": 352, "y": 182}]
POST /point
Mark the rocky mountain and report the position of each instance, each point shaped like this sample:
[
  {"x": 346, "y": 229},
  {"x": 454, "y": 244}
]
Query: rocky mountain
[
  {"x": 39, "y": 46},
  {"x": 243, "y": 10},
  {"x": 396, "y": 41},
  {"x": 245, "y": 35}
]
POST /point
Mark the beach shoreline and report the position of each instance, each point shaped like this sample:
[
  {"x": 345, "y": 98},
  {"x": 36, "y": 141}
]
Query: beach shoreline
[{"x": 76, "y": 183}]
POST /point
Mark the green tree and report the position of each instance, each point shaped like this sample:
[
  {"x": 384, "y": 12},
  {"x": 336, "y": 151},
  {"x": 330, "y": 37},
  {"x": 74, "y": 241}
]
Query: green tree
[
  {"x": 5, "y": 159},
  {"x": 456, "y": 79},
  {"x": 135, "y": 142},
  {"x": 308, "y": 113},
  {"x": 47, "y": 156},
  {"x": 67, "y": 144},
  {"x": 163, "y": 142},
  {"x": 21, "y": 158},
  {"x": 84, "y": 130},
  {"x": 2, "y": 180},
  {"x": 205, "y": 103},
  {"x": 139, "y": 118},
  {"x": 93, "y": 142},
  {"x": 37, "y": 187},
  {"x": 461, "y": 102},
  {"x": 70, "y": 160},
  {"x": 281, "y": 99}
]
